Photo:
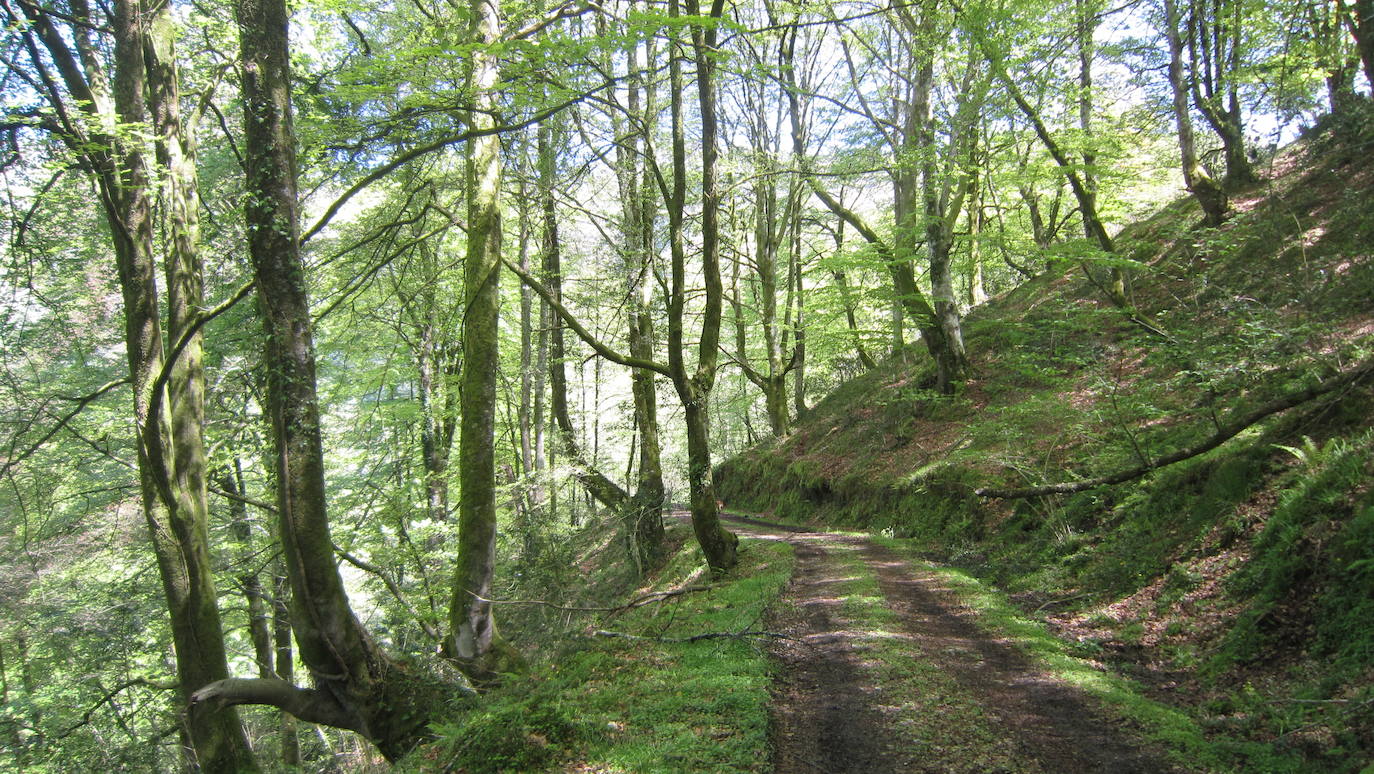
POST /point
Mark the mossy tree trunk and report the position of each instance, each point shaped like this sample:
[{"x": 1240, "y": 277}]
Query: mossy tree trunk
[
  {"x": 1215, "y": 43},
  {"x": 693, "y": 385},
  {"x": 1362, "y": 29},
  {"x": 898, "y": 255},
  {"x": 644, "y": 512}
]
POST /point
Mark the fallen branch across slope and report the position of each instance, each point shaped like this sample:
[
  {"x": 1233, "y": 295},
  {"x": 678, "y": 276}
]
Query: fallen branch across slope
[{"x": 1225, "y": 432}]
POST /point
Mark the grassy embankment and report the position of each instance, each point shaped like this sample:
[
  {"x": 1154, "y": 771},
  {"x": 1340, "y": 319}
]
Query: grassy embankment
[{"x": 1238, "y": 584}]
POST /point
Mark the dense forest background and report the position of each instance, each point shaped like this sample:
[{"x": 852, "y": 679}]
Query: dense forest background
[{"x": 322, "y": 331}]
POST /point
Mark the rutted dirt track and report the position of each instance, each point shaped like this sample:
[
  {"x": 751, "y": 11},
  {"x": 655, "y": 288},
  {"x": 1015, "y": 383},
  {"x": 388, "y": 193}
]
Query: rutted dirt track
[{"x": 833, "y": 713}]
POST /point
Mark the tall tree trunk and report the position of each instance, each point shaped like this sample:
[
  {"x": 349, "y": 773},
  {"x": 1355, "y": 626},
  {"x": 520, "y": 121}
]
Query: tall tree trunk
[
  {"x": 259, "y": 618},
  {"x": 1362, "y": 29},
  {"x": 531, "y": 491},
  {"x": 285, "y": 661},
  {"x": 606, "y": 492},
  {"x": 644, "y": 517},
  {"x": 1214, "y": 42},
  {"x": 770, "y": 227},
  {"x": 798, "y": 296},
  {"x": 694, "y": 387},
  {"x": 1086, "y": 21},
  {"x": 168, "y": 414},
  {"x": 919, "y": 206},
  {"x": 474, "y": 642},
  {"x": 1208, "y": 192},
  {"x": 172, "y": 454}
]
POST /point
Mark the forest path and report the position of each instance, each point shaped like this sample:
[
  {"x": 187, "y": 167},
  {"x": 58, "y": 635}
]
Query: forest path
[{"x": 886, "y": 671}]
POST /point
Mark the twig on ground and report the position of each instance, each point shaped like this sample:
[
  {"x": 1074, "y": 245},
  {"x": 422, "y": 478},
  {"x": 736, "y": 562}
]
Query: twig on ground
[
  {"x": 697, "y": 637},
  {"x": 647, "y": 599},
  {"x": 1320, "y": 701},
  {"x": 812, "y": 764},
  {"x": 1062, "y": 601}
]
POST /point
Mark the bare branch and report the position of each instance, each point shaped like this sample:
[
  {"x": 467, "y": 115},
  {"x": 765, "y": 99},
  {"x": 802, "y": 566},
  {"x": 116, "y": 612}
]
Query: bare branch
[
  {"x": 110, "y": 694},
  {"x": 587, "y": 336},
  {"x": 439, "y": 144},
  {"x": 1225, "y": 432},
  {"x": 395, "y": 590},
  {"x": 564, "y": 11},
  {"x": 62, "y": 421},
  {"x": 265, "y": 506}
]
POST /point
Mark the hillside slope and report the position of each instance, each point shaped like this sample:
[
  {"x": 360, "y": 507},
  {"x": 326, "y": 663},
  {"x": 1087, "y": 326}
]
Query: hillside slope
[{"x": 1239, "y": 582}]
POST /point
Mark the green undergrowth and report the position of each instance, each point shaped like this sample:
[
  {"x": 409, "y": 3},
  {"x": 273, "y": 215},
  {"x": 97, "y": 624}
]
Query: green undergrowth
[{"x": 645, "y": 704}]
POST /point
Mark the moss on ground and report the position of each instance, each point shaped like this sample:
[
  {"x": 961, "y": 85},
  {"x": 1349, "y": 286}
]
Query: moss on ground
[{"x": 636, "y": 705}]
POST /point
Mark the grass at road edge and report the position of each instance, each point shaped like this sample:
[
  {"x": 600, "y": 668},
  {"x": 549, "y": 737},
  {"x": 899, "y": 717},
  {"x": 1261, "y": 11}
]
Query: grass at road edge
[
  {"x": 1170, "y": 727},
  {"x": 616, "y": 705}
]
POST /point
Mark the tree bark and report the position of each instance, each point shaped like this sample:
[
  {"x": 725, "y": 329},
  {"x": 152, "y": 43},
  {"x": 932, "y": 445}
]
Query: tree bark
[
  {"x": 908, "y": 295},
  {"x": 923, "y": 209},
  {"x": 694, "y": 387},
  {"x": 285, "y": 661},
  {"x": 644, "y": 517},
  {"x": 259, "y": 619},
  {"x": 1214, "y": 43},
  {"x": 1362, "y": 29}
]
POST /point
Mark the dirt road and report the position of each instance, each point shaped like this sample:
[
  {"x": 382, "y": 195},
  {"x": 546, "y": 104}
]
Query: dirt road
[{"x": 887, "y": 671}]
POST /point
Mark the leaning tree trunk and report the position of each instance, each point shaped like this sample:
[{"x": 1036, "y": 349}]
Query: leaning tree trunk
[
  {"x": 167, "y": 417},
  {"x": 356, "y": 685}
]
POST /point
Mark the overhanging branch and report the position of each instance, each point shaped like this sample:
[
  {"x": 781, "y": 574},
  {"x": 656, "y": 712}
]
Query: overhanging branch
[
  {"x": 587, "y": 336},
  {"x": 439, "y": 144}
]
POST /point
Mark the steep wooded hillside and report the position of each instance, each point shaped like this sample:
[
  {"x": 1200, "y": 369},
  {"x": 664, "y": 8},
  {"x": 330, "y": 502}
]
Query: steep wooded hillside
[{"x": 1238, "y": 581}]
